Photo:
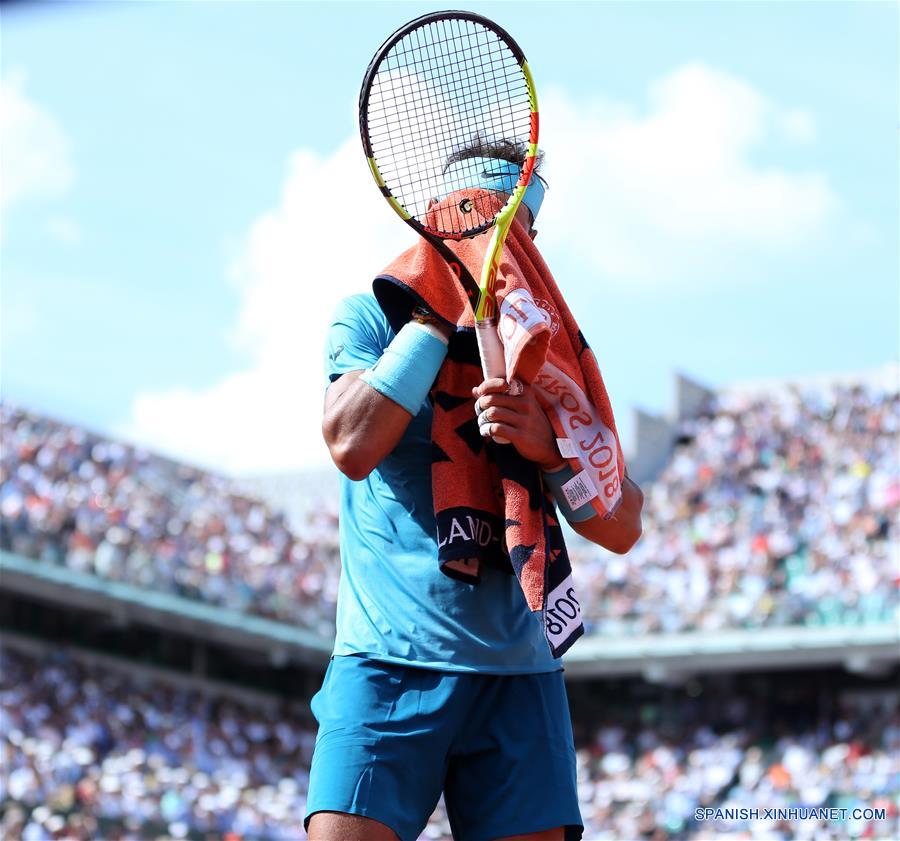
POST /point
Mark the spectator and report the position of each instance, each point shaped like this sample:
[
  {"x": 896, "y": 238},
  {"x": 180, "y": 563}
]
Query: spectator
[
  {"x": 98, "y": 506},
  {"x": 776, "y": 511},
  {"x": 771, "y": 512},
  {"x": 86, "y": 747}
]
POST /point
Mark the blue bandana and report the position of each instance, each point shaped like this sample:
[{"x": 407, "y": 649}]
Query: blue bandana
[{"x": 493, "y": 174}]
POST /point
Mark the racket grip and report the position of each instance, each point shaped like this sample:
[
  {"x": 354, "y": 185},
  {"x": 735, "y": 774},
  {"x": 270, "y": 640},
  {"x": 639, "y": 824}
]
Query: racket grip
[{"x": 490, "y": 349}]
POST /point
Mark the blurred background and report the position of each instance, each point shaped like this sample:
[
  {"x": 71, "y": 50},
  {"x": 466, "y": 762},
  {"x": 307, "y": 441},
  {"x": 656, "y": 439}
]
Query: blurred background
[{"x": 184, "y": 200}]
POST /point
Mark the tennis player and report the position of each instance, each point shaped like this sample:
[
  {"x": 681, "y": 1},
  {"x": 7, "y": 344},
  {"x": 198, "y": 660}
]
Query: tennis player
[{"x": 435, "y": 685}]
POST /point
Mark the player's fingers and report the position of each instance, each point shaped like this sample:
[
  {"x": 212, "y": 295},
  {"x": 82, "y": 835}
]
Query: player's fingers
[
  {"x": 499, "y": 431},
  {"x": 499, "y": 414},
  {"x": 502, "y": 400},
  {"x": 485, "y": 401},
  {"x": 489, "y": 386}
]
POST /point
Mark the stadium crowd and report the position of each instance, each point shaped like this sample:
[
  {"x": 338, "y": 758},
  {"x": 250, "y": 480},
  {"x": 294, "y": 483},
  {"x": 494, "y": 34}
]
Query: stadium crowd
[
  {"x": 77, "y": 499},
  {"x": 87, "y": 745},
  {"x": 646, "y": 780},
  {"x": 88, "y": 751},
  {"x": 772, "y": 511}
]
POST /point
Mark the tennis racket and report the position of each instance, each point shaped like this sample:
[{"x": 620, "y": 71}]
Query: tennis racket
[{"x": 439, "y": 84}]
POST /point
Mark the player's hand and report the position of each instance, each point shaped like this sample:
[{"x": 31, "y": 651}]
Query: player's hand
[{"x": 517, "y": 418}]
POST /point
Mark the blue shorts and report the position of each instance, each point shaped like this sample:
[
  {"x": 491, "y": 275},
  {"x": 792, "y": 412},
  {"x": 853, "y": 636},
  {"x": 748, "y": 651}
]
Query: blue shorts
[{"x": 393, "y": 737}]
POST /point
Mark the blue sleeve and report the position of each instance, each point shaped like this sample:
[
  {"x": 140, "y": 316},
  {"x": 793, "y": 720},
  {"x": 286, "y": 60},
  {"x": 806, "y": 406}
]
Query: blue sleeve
[{"x": 357, "y": 336}]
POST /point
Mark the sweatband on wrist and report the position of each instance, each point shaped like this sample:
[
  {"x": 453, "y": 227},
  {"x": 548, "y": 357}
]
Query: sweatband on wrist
[
  {"x": 408, "y": 366},
  {"x": 555, "y": 482}
]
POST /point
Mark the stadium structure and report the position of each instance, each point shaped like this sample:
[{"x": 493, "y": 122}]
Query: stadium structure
[{"x": 164, "y": 628}]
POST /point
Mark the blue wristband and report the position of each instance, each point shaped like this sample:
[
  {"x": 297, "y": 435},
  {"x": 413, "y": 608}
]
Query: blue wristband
[
  {"x": 555, "y": 481},
  {"x": 408, "y": 366}
]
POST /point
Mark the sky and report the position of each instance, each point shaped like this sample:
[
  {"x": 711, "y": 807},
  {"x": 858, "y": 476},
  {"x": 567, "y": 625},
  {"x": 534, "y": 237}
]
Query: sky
[{"x": 184, "y": 200}]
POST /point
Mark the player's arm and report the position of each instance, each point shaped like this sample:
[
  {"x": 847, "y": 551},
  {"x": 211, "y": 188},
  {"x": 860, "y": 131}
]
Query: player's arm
[
  {"x": 368, "y": 410},
  {"x": 360, "y": 425},
  {"x": 621, "y": 531},
  {"x": 521, "y": 420}
]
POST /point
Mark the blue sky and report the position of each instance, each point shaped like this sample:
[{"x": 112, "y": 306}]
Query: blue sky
[{"x": 185, "y": 198}]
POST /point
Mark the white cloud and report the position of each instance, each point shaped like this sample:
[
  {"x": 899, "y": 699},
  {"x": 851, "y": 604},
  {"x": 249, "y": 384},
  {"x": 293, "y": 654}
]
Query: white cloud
[
  {"x": 34, "y": 152},
  {"x": 679, "y": 200},
  {"x": 329, "y": 236},
  {"x": 678, "y": 196}
]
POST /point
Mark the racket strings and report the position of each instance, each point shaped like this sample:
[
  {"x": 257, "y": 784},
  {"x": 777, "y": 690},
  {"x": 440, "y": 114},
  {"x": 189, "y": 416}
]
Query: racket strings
[
  {"x": 471, "y": 106},
  {"x": 445, "y": 86}
]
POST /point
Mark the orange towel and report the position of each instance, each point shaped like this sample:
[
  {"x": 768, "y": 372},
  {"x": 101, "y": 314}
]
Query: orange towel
[{"x": 491, "y": 505}]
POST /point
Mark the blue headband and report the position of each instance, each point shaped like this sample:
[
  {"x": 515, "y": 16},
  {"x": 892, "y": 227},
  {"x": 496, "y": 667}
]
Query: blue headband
[{"x": 492, "y": 174}]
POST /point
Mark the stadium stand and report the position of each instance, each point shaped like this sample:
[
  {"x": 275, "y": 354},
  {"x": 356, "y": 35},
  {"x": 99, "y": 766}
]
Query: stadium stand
[
  {"x": 98, "y": 749},
  {"x": 93, "y": 505},
  {"x": 775, "y": 509},
  {"x": 743, "y": 655},
  {"x": 115, "y": 750}
]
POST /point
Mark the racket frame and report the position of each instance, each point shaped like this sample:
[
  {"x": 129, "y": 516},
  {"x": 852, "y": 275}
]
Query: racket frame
[{"x": 480, "y": 295}]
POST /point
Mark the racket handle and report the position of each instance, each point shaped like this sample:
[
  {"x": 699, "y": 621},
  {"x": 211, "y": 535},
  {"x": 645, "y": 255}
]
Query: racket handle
[{"x": 490, "y": 349}]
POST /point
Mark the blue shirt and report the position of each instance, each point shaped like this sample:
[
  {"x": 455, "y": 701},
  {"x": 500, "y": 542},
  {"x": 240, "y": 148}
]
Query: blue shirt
[{"x": 394, "y": 603}]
